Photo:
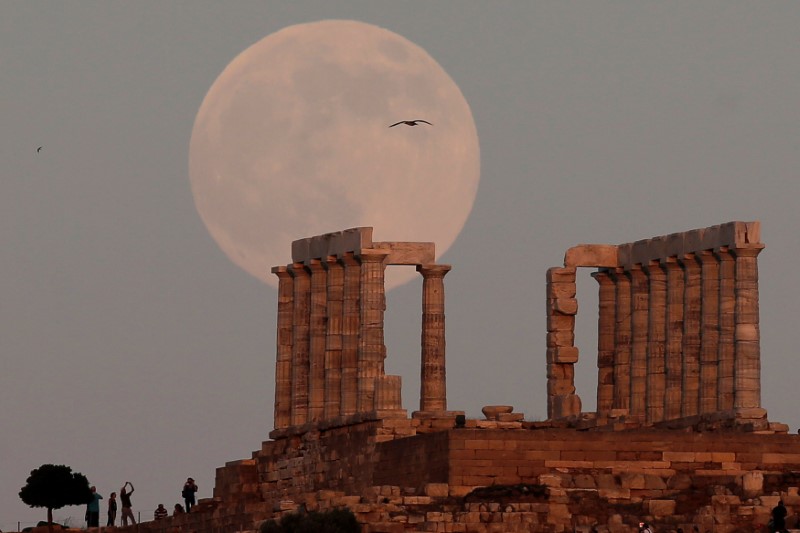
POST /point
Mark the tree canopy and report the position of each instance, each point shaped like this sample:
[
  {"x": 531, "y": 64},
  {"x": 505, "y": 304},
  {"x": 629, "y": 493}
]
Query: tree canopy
[{"x": 54, "y": 486}]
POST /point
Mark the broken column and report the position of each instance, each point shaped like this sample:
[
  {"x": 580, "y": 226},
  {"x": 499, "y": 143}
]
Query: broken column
[{"x": 561, "y": 351}]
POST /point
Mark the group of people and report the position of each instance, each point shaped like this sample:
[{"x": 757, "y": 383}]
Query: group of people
[{"x": 93, "y": 507}]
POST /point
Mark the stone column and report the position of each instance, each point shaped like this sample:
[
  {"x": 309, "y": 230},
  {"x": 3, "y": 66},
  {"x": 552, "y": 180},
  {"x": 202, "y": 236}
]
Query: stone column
[
  {"x": 333, "y": 338},
  {"x": 709, "y": 340},
  {"x": 283, "y": 359},
  {"x": 371, "y": 348},
  {"x": 318, "y": 331},
  {"x": 351, "y": 328},
  {"x": 561, "y": 351},
  {"x": 691, "y": 336},
  {"x": 656, "y": 342},
  {"x": 640, "y": 292},
  {"x": 674, "y": 339},
  {"x": 300, "y": 342},
  {"x": 622, "y": 340},
  {"x": 605, "y": 342},
  {"x": 747, "y": 365},
  {"x": 727, "y": 327},
  {"x": 433, "y": 393}
]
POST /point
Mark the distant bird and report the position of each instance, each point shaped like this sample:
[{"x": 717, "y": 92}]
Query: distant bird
[
  {"x": 410, "y": 122},
  {"x": 38, "y": 149}
]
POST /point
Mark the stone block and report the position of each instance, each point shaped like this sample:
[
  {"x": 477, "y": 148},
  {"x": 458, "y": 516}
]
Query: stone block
[
  {"x": 562, "y": 354},
  {"x": 591, "y": 255},
  {"x": 661, "y": 508}
]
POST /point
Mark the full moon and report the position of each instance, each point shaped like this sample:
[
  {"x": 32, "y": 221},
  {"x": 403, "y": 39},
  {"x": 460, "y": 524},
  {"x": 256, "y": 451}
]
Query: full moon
[{"x": 293, "y": 140}]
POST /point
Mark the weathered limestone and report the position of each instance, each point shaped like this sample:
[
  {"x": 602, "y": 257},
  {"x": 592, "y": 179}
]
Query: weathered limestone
[
  {"x": 433, "y": 394},
  {"x": 330, "y": 348},
  {"x": 283, "y": 360},
  {"x": 678, "y": 332}
]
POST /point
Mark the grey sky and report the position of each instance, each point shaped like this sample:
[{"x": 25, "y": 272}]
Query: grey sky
[{"x": 133, "y": 349}]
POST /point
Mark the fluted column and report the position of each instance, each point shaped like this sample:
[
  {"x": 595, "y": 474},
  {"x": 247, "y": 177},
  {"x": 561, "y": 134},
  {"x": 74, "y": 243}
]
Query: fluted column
[
  {"x": 605, "y": 342},
  {"x": 622, "y": 340},
  {"x": 351, "y": 327},
  {"x": 709, "y": 340},
  {"x": 656, "y": 342},
  {"x": 283, "y": 359},
  {"x": 371, "y": 349},
  {"x": 727, "y": 327},
  {"x": 691, "y": 336},
  {"x": 433, "y": 393},
  {"x": 674, "y": 339},
  {"x": 318, "y": 331},
  {"x": 747, "y": 363},
  {"x": 333, "y": 338},
  {"x": 639, "y": 326},
  {"x": 300, "y": 342}
]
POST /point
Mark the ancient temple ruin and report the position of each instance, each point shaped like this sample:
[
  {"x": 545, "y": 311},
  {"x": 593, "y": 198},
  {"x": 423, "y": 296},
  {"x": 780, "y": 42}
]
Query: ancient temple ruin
[
  {"x": 330, "y": 344},
  {"x": 678, "y": 328},
  {"x": 679, "y": 438}
]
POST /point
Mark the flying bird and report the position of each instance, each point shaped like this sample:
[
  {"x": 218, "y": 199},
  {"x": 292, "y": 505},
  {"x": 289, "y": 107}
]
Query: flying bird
[
  {"x": 411, "y": 122},
  {"x": 38, "y": 149}
]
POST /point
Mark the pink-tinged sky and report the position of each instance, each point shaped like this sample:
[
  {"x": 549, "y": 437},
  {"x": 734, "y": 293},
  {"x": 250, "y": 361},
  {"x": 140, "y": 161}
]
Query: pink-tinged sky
[{"x": 134, "y": 350}]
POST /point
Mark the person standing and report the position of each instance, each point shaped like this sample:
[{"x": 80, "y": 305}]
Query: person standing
[
  {"x": 127, "y": 507},
  {"x": 93, "y": 509},
  {"x": 779, "y": 517},
  {"x": 188, "y": 493},
  {"x": 112, "y": 509}
]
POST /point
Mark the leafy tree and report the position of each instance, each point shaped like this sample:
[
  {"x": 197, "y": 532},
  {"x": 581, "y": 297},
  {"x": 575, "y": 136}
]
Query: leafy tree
[{"x": 53, "y": 487}]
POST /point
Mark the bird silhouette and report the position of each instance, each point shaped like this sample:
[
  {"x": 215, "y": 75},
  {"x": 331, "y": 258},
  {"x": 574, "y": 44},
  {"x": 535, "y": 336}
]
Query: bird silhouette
[
  {"x": 410, "y": 122},
  {"x": 38, "y": 149}
]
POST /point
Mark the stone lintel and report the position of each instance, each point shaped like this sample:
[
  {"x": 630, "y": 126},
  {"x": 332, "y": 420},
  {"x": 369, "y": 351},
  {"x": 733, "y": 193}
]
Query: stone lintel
[
  {"x": 592, "y": 255},
  {"x": 408, "y": 253}
]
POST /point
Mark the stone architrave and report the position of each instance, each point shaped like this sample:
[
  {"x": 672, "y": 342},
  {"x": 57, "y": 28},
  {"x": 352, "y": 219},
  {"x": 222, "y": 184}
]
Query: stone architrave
[
  {"x": 371, "y": 349},
  {"x": 747, "y": 365},
  {"x": 674, "y": 339},
  {"x": 283, "y": 359},
  {"x": 709, "y": 339},
  {"x": 351, "y": 328},
  {"x": 300, "y": 343},
  {"x": 656, "y": 342},
  {"x": 318, "y": 334},
  {"x": 605, "y": 342},
  {"x": 333, "y": 338},
  {"x": 433, "y": 385},
  {"x": 691, "y": 335},
  {"x": 640, "y": 297},
  {"x": 622, "y": 340},
  {"x": 727, "y": 327}
]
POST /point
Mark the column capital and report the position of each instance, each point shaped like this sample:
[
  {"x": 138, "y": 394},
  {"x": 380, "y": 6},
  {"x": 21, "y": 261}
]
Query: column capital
[
  {"x": 654, "y": 268},
  {"x": 724, "y": 253},
  {"x": 750, "y": 251},
  {"x": 690, "y": 260},
  {"x": 330, "y": 261},
  {"x": 372, "y": 255},
  {"x": 706, "y": 257},
  {"x": 433, "y": 270},
  {"x": 315, "y": 265},
  {"x": 349, "y": 259},
  {"x": 298, "y": 270},
  {"x": 281, "y": 271},
  {"x": 603, "y": 277}
]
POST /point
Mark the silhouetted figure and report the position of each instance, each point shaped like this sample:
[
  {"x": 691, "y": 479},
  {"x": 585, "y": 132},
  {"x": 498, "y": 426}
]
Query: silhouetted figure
[
  {"x": 127, "y": 507},
  {"x": 779, "y": 517},
  {"x": 178, "y": 510},
  {"x": 410, "y": 122},
  {"x": 112, "y": 509},
  {"x": 188, "y": 493}
]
